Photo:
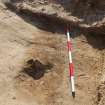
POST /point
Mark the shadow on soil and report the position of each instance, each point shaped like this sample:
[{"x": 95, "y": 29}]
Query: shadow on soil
[
  {"x": 56, "y": 25},
  {"x": 97, "y": 41},
  {"x": 36, "y": 69},
  {"x": 42, "y": 21}
]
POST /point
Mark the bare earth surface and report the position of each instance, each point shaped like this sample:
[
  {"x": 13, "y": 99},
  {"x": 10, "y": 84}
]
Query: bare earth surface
[{"x": 21, "y": 41}]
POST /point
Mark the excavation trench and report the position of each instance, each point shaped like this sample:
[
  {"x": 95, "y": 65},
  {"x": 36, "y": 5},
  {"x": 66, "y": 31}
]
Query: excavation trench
[
  {"x": 56, "y": 21},
  {"x": 49, "y": 47}
]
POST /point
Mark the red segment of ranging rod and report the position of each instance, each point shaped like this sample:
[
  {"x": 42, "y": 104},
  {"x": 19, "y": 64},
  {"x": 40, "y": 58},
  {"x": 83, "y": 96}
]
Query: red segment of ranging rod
[{"x": 71, "y": 67}]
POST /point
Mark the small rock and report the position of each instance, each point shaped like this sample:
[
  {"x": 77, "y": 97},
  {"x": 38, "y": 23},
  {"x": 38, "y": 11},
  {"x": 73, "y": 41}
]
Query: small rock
[{"x": 14, "y": 98}]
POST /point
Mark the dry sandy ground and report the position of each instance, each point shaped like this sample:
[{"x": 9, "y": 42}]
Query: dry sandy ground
[{"x": 21, "y": 41}]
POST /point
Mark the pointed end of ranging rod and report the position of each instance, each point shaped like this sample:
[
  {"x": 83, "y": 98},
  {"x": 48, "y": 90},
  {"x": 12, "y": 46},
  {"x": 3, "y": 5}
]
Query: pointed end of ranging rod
[{"x": 73, "y": 94}]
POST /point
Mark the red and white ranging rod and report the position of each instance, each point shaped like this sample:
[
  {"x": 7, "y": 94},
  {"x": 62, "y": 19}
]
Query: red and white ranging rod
[{"x": 71, "y": 67}]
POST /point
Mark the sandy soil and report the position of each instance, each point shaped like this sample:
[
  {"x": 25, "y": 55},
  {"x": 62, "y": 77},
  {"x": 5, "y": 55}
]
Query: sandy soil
[{"x": 21, "y": 41}]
